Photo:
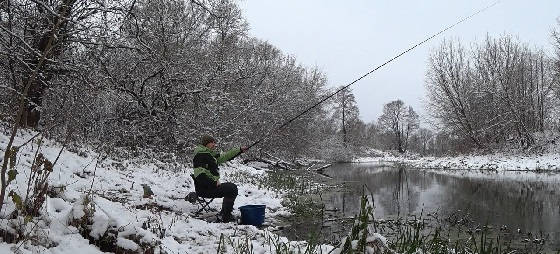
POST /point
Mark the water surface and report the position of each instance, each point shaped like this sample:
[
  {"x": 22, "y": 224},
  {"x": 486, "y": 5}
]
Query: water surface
[{"x": 521, "y": 201}]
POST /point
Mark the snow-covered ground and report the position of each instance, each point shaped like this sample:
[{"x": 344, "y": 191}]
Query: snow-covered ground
[
  {"x": 496, "y": 161},
  {"x": 163, "y": 220}
]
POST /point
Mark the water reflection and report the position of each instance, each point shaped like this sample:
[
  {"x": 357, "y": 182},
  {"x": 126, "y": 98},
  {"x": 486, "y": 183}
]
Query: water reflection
[{"x": 521, "y": 200}]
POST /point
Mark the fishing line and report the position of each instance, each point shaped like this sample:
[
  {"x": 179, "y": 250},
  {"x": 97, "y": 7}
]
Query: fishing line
[{"x": 373, "y": 70}]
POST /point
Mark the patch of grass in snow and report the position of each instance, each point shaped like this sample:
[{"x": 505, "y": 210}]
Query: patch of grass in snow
[
  {"x": 304, "y": 207},
  {"x": 278, "y": 180},
  {"x": 243, "y": 245},
  {"x": 302, "y": 197},
  {"x": 419, "y": 235},
  {"x": 27, "y": 206},
  {"x": 271, "y": 244},
  {"x": 300, "y": 190},
  {"x": 411, "y": 238},
  {"x": 362, "y": 238},
  {"x": 107, "y": 240}
]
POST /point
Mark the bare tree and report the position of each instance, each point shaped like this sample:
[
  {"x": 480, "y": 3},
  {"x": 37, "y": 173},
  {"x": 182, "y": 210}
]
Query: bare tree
[
  {"x": 372, "y": 135},
  {"x": 24, "y": 34},
  {"x": 424, "y": 137},
  {"x": 498, "y": 93},
  {"x": 153, "y": 75},
  {"x": 400, "y": 121},
  {"x": 449, "y": 82},
  {"x": 556, "y": 44},
  {"x": 347, "y": 113}
]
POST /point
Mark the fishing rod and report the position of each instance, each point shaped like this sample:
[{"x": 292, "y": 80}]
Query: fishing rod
[{"x": 371, "y": 71}]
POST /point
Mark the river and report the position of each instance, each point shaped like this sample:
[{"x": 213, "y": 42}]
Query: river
[{"x": 524, "y": 203}]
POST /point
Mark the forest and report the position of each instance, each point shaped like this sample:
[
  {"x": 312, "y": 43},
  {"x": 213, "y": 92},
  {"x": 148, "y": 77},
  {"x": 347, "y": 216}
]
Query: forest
[{"x": 155, "y": 75}]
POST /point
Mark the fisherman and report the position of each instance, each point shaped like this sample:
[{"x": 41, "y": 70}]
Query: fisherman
[{"x": 207, "y": 176}]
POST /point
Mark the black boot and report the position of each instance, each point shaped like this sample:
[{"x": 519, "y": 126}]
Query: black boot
[{"x": 227, "y": 207}]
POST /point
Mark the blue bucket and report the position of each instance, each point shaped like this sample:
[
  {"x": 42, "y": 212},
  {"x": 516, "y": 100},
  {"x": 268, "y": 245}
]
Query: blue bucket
[{"x": 252, "y": 215}]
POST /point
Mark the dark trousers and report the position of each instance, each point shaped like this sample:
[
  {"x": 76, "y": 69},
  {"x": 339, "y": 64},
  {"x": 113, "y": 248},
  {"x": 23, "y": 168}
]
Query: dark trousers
[
  {"x": 228, "y": 191},
  {"x": 224, "y": 190}
]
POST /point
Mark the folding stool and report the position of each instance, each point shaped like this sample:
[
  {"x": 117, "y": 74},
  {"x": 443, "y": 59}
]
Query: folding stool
[{"x": 203, "y": 203}]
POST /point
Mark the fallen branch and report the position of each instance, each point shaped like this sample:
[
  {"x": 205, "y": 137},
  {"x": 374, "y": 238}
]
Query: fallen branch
[
  {"x": 324, "y": 175},
  {"x": 320, "y": 170},
  {"x": 282, "y": 163},
  {"x": 269, "y": 162},
  {"x": 309, "y": 168}
]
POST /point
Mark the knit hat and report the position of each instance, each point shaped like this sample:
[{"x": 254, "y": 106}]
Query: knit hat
[{"x": 206, "y": 139}]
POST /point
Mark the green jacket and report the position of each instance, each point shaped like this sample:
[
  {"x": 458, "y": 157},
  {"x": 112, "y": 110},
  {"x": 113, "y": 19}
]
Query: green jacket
[{"x": 205, "y": 163}]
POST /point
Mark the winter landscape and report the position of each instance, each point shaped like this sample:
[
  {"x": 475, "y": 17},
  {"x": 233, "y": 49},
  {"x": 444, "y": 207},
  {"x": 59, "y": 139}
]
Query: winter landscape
[{"x": 167, "y": 126}]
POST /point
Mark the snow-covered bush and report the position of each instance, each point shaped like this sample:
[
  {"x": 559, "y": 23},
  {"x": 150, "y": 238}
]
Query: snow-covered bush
[
  {"x": 82, "y": 214},
  {"x": 333, "y": 149}
]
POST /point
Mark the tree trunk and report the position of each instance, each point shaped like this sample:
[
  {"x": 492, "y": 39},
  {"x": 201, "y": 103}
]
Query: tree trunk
[
  {"x": 32, "y": 110},
  {"x": 345, "y": 138}
]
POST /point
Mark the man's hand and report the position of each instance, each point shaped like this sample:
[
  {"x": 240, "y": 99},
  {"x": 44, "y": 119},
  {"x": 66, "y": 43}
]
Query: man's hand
[
  {"x": 244, "y": 149},
  {"x": 217, "y": 183}
]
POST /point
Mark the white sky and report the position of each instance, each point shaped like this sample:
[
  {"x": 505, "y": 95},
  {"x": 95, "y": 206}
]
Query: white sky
[{"x": 346, "y": 39}]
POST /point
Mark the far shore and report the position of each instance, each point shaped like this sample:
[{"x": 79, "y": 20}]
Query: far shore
[{"x": 497, "y": 162}]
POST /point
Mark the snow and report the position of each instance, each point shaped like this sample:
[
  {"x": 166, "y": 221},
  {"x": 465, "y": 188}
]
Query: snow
[
  {"x": 378, "y": 237},
  {"x": 72, "y": 243},
  {"x": 497, "y": 161},
  {"x": 126, "y": 244},
  {"x": 110, "y": 191},
  {"x": 100, "y": 225}
]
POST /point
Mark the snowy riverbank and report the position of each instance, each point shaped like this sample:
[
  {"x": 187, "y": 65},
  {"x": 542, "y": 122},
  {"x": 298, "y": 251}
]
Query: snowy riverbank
[
  {"x": 497, "y": 161},
  {"x": 108, "y": 196}
]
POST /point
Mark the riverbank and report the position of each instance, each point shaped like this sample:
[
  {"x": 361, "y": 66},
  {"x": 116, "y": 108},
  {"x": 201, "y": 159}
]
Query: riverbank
[
  {"x": 497, "y": 161},
  {"x": 95, "y": 204}
]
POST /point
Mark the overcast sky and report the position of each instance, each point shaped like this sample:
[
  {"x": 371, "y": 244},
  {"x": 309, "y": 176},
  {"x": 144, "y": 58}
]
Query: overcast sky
[{"x": 346, "y": 39}]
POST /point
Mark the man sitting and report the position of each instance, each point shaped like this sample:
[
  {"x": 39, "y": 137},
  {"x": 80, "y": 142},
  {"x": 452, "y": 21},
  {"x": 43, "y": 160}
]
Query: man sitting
[{"x": 207, "y": 176}]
